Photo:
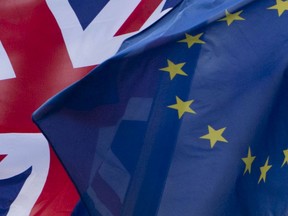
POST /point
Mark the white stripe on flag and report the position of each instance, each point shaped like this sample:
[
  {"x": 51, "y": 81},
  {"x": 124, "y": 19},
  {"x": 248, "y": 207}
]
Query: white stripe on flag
[
  {"x": 97, "y": 42},
  {"x": 24, "y": 150},
  {"x": 6, "y": 69}
]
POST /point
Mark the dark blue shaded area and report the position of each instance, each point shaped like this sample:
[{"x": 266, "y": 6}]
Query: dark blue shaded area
[
  {"x": 128, "y": 143},
  {"x": 87, "y": 10},
  {"x": 80, "y": 209},
  {"x": 171, "y": 4},
  {"x": 10, "y": 188},
  {"x": 95, "y": 96}
]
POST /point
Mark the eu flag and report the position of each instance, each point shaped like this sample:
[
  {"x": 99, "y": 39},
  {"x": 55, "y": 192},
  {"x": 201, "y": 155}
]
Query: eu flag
[{"x": 189, "y": 118}]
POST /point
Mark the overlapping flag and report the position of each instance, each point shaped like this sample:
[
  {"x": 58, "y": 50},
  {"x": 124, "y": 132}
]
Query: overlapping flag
[
  {"x": 190, "y": 118},
  {"x": 44, "y": 47}
]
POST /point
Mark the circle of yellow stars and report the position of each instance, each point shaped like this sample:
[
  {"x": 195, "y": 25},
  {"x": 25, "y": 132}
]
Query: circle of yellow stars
[{"x": 182, "y": 106}]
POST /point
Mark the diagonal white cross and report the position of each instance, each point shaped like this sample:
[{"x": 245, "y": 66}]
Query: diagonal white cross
[{"x": 97, "y": 42}]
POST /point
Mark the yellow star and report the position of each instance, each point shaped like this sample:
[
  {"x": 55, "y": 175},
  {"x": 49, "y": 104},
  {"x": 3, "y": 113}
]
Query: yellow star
[
  {"x": 248, "y": 161},
  {"x": 182, "y": 107},
  {"x": 285, "y": 152},
  {"x": 214, "y": 136},
  {"x": 191, "y": 40},
  {"x": 230, "y": 18},
  {"x": 174, "y": 69},
  {"x": 280, "y": 6},
  {"x": 264, "y": 169}
]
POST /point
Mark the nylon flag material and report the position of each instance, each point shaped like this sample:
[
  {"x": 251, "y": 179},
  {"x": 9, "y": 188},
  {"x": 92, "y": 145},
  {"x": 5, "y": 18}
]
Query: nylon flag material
[
  {"x": 44, "y": 47},
  {"x": 190, "y": 118}
]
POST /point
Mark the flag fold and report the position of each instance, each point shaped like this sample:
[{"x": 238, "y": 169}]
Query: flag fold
[{"x": 189, "y": 118}]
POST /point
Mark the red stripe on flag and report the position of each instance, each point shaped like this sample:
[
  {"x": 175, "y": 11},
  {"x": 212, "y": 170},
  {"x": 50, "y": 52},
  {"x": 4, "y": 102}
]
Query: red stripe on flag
[
  {"x": 36, "y": 49},
  {"x": 35, "y": 46},
  {"x": 2, "y": 157},
  {"x": 139, "y": 16}
]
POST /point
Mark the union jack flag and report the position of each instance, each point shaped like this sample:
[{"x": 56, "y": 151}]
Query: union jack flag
[{"x": 44, "y": 47}]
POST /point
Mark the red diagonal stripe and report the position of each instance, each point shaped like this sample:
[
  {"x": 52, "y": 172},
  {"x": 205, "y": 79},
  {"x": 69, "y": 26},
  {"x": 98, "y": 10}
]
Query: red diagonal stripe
[
  {"x": 139, "y": 16},
  {"x": 2, "y": 157}
]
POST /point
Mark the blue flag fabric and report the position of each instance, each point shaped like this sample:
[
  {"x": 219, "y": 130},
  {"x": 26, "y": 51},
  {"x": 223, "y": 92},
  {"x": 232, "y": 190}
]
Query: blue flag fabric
[
  {"x": 189, "y": 118},
  {"x": 10, "y": 188}
]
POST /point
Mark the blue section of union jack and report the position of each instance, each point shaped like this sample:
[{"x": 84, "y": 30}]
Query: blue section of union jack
[
  {"x": 87, "y": 10},
  {"x": 171, "y": 4},
  {"x": 10, "y": 188}
]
